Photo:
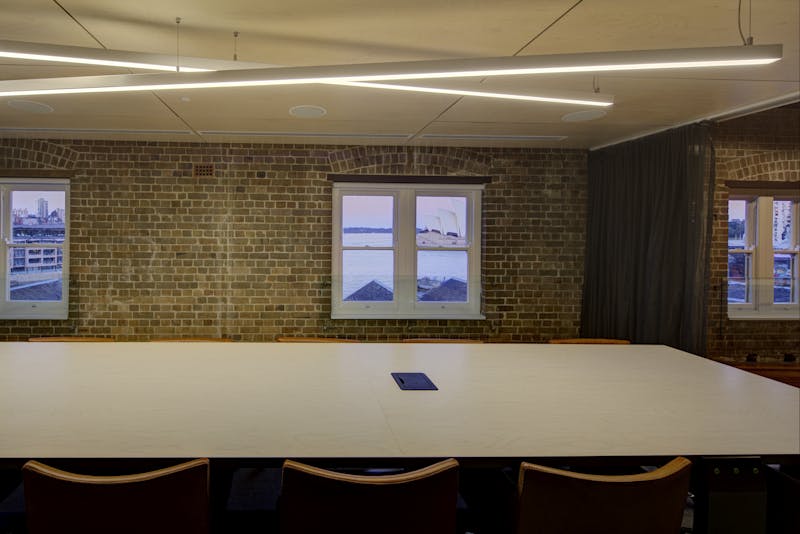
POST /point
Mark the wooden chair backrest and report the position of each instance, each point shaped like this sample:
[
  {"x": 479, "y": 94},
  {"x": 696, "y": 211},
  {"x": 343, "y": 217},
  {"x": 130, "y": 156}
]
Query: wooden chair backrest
[
  {"x": 164, "y": 501},
  {"x": 318, "y": 500},
  {"x": 290, "y": 339},
  {"x": 194, "y": 339},
  {"x": 84, "y": 339},
  {"x": 553, "y": 500},
  {"x": 439, "y": 340}
]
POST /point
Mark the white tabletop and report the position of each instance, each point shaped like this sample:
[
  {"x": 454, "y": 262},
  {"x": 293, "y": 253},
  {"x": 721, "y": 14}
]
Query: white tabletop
[{"x": 273, "y": 400}]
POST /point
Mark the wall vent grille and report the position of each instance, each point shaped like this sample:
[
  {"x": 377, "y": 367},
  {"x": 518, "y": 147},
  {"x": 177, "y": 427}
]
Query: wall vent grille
[{"x": 204, "y": 169}]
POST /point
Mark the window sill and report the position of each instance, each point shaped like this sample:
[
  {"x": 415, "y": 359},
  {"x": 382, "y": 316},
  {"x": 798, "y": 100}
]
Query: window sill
[
  {"x": 33, "y": 317},
  {"x": 378, "y": 315},
  {"x": 787, "y": 314}
]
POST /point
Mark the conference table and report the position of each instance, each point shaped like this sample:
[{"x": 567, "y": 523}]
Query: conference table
[
  {"x": 274, "y": 400},
  {"x": 494, "y": 403}
]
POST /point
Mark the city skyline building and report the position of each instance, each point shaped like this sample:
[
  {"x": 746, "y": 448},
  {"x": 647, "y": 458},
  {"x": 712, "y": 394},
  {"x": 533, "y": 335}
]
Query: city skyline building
[
  {"x": 781, "y": 223},
  {"x": 41, "y": 208}
]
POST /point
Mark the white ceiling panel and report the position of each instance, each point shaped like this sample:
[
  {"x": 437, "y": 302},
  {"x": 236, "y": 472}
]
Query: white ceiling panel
[
  {"x": 317, "y": 32},
  {"x": 141, "y": 111}
]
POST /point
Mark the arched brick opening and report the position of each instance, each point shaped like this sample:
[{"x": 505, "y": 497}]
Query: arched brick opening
[
  {"x": 773, "y": 165},
  {"x": 445, "y": 161},
  {"x": 36, "y": 154}
]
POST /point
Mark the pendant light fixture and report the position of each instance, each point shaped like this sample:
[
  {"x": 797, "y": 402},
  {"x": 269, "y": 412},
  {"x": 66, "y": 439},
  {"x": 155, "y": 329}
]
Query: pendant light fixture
[{"x": 377, "y": 73}]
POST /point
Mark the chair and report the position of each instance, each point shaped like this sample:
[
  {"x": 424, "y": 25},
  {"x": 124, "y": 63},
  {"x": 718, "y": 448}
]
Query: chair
[
  {"x": 165, "y": 501},
  {"x": 318, "y": 500},
  {"x": 83, "y": 339},
  {"x": 589, "y": 341},
  {"x": 565, "y": 502},
  {"x": 439, "y": 340},
  {"x": 194, "y": 339},
  {"x": 290, "y": 339}
]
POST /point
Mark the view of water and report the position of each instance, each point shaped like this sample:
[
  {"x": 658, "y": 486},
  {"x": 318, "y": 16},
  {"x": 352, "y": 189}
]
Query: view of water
[
  {"x": 364, "y": 266},
  {"x": 358, "y": 239}
]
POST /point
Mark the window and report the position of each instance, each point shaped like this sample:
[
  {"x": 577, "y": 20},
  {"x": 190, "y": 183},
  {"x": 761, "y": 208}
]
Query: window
[
  {"x": 762, "y": 257},
  {"x": 406, "y": 250},
  {"x": 34, "y": 221}
]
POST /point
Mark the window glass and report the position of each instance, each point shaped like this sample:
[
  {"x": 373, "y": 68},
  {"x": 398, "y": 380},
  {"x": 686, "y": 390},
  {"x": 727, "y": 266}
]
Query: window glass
[
  {"x": 738, "y": 263},
  {"x": 783, "y": 275},
  {"x": 442, "y": 276},
  {"x": 784, "y": 266},
  {"x": 737, "y": 214},
  {"x": 781, "y": 224},
  {"x": 738, "y": 274},
  {"x": 37, "y": 218},
  {"x": 367, "y": 221},
  {"x": 441, "y": 221},
  {"x": 368, "y": 275}
]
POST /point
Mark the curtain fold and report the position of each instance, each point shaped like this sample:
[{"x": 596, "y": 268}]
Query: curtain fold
[{"x": 648, "y": 239}]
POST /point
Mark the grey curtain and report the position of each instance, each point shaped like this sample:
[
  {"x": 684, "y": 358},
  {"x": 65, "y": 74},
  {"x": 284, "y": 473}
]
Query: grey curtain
[{"x": 648, "y": 239}]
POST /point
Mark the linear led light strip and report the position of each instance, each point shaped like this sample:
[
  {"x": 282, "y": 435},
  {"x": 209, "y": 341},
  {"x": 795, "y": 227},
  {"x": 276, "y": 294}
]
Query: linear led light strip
[
  {"x": 140, "y": 60},
  {"x": 100, "y": 56},
  {"x": 506, "y": 96},
  {"x": 102, "y": 62},
  {"x": 379, "y": 72}
]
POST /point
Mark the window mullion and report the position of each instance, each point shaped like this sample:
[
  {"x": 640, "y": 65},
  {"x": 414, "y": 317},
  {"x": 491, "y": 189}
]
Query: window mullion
[
  {"x": 406, "y": 252},
  {"x": 474, "y": 252},
  {"x": 763, "y": 261},
  {"x": 336, "y": 249}
]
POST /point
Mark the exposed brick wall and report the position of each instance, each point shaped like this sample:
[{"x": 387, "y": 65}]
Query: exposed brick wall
[
  {"x": 35, "y": 154},
  {"x": 245, "y": 253},
  {"x": 760, "y": 147}
]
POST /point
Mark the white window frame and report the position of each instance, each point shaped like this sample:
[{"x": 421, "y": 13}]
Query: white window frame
[
  {"x": 759, "y": 248},
  {"x": 405, "y": 304},
  {"x": 31, "y": 309}
]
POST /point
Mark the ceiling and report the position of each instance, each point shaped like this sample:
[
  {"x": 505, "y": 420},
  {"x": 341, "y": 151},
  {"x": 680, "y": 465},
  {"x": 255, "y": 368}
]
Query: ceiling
[{"x": 325, "y": 32}]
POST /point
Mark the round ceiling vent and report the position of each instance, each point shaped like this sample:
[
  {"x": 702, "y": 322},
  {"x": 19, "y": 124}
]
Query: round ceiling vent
[
  {"x": 29, "y": 106},
  {"x": 307, "y": 111},
  {"x": 585, "y": 115}
]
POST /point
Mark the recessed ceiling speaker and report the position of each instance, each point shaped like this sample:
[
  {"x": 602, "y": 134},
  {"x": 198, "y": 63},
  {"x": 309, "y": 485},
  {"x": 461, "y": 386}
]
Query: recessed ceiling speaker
[
  {"x": 307, "y": 111},
  {"x": 30, "y": 106}
]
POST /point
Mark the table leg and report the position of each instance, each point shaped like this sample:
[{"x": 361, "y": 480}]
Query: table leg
[{"x": 730, "y": 495}]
